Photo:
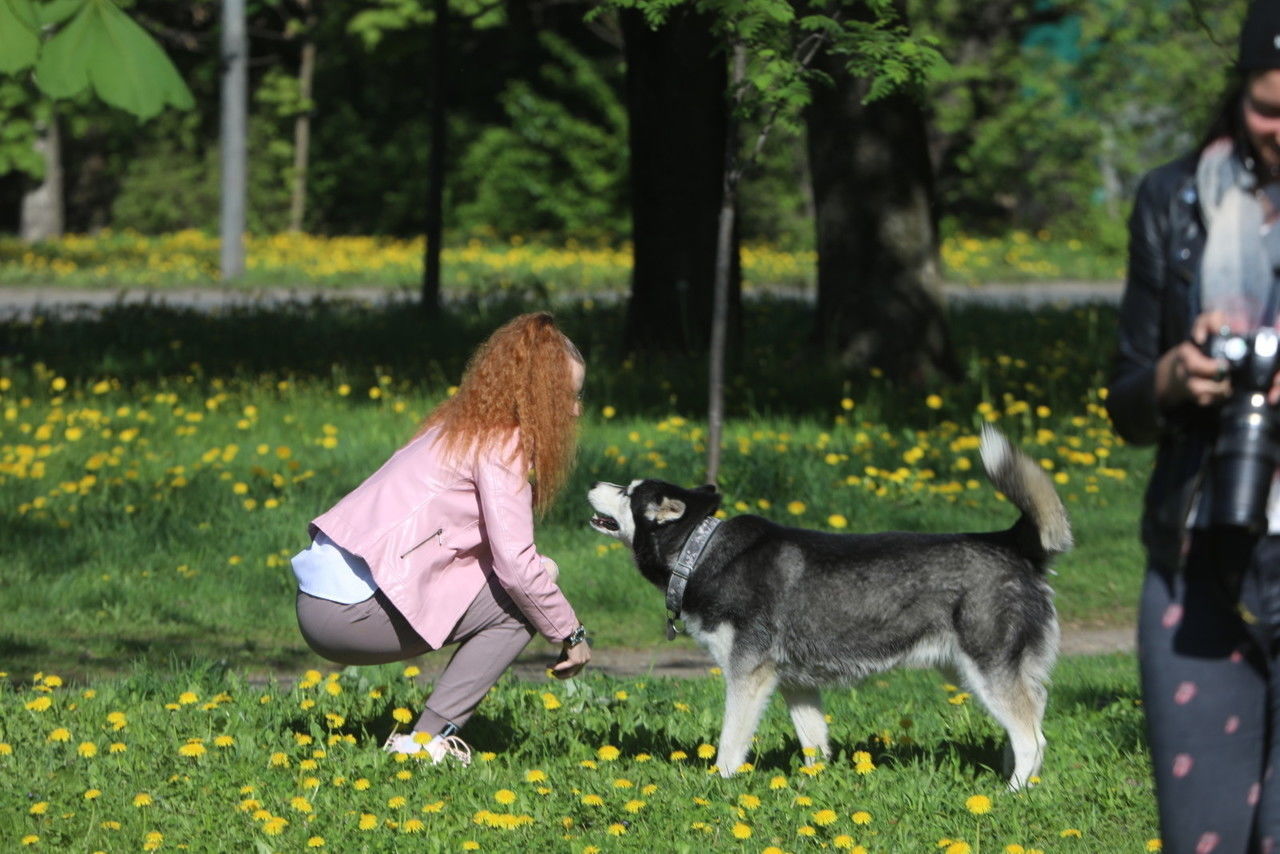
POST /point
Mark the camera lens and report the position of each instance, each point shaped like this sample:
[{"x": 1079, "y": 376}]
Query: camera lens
[{"x": 1244, "y": 461}]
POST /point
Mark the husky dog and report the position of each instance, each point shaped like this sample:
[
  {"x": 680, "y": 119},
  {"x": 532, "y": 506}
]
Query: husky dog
[{"x": 794, "y": 609}]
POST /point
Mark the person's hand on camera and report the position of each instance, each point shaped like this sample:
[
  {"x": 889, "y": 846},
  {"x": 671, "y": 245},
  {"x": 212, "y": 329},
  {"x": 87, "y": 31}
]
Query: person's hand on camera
[
  {"x": 1185, "y": 373},
  {"x": 572, "y": 660}
]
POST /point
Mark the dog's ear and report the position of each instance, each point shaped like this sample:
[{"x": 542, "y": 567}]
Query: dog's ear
[
  {"x": 709, "y": 487},
  {"x": 669, "y": 510}
]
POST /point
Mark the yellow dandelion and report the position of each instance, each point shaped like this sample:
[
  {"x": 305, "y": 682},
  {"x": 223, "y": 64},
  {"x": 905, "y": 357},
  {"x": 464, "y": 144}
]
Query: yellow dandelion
[
  {"x": 978, "y": 804},
  {"x": 706, "y": 751},
  {"x": 402, "y": 715},
  {"x": 741, "y": 831},
  {"x": 368, "y": 821},
  {"x": 87, "y": 749},
  {"x": 504, "y": 796},
  {"x": 535, "y": 775},
  {"x": 617, "y": 829},
  {"x": 822, "y": 818},
  {"x": 142, "y": 799},
  {"x": 861, "y": 817},
  {"x": 608, "y": 753},
  {"x": 796, "y": 508}
]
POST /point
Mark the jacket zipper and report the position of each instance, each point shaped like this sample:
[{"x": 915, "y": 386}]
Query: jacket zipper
[{"x": 438, "y": 532}]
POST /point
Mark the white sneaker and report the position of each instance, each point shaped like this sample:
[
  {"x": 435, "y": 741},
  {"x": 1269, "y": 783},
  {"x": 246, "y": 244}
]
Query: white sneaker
[{"x": 437, "y": 748}]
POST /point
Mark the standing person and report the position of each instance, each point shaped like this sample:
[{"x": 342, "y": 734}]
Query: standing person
[
  {"x": 436, "y": 547},
  {"x": 1209, "y": 618}
]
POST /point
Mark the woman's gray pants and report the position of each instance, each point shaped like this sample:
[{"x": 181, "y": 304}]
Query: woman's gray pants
[{"x": 490, "y": 635}]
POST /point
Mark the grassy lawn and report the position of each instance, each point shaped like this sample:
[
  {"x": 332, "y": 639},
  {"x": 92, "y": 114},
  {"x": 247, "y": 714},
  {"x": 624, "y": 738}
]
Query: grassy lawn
[
  {"x": 112, "y": 259},
  {"x": 158, "y": 468},
  {"x": 169, "y": 759}
]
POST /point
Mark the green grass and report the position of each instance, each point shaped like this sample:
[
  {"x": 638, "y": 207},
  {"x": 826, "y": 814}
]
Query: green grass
[
  {"x": 158, "y": 468},
  {"x": 279, "y": 767}
]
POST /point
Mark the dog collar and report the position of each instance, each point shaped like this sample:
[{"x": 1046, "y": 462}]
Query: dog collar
[{"x": 685, "y": 564}]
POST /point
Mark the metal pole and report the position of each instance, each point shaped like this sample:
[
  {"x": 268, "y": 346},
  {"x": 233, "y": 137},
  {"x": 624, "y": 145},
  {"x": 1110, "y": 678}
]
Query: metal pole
[{"x": 235, "y": 62}]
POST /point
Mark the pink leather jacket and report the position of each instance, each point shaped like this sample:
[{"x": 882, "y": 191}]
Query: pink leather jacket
[{"x": 432, "y": 531}]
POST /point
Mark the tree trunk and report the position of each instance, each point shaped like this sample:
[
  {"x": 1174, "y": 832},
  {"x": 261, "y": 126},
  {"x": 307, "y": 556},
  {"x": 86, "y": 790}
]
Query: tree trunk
[
  {"x": 726, "y": 253},
  {"x": 234, "y": 139},
  {"x": 879, "y": 286},
  {"x": 43, "y": 212},
  {"x": 675, "y": 84},
  {"x": 436, "y": 160},
  {"x": 302, "y": 123}
]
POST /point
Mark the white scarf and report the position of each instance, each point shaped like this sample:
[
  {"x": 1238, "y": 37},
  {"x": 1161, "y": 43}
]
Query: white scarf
[{"x": 1236, "y": 271}]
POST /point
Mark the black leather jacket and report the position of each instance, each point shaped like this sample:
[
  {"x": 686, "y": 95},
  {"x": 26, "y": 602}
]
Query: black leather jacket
[{"x": 1161, "y": 298}]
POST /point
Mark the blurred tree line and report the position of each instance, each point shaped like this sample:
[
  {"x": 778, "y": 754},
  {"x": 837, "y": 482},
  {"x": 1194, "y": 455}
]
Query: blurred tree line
[{"x": 1048, "y": 113}]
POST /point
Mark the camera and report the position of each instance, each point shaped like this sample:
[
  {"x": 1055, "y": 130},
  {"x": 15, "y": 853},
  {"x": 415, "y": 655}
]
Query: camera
[{"x": 1247, "y": 449}]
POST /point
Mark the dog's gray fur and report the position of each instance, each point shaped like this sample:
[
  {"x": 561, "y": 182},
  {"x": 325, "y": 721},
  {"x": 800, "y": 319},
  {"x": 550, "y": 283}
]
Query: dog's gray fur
[{"x": 795, "y": 609}]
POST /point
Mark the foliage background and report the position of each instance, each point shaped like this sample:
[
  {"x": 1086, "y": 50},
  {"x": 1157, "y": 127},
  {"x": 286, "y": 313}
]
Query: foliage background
[{"x": 1045, "y": 119}]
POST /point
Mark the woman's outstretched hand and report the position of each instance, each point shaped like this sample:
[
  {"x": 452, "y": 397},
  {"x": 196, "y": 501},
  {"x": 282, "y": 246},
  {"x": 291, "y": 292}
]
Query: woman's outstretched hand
[{"x": 572, "y": 660}]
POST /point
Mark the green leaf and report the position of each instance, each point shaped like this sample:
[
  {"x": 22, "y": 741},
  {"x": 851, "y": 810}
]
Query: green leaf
[
  {"x": 101, "y": 47},
  {"x": 19, "y": 35},
  {"x": 55, "y": 12}
]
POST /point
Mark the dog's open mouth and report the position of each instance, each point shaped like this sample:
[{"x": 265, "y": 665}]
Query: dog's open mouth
[{"x": 601, "y": 522}]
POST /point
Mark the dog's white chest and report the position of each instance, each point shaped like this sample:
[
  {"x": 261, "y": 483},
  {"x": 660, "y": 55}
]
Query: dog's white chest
[{"x": 718, "y": 642}]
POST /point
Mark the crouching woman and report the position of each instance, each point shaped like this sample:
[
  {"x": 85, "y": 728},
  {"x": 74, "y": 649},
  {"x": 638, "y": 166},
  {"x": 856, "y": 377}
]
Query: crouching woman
[{"x": 436, "y": 547}]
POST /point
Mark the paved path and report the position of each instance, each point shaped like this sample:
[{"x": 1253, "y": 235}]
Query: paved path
[
  {"x": 26, "y": 301},
  {"x": 685, "y": 661}
]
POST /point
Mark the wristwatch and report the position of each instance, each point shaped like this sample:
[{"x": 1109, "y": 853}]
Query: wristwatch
[{"x": 578, "y": 636}]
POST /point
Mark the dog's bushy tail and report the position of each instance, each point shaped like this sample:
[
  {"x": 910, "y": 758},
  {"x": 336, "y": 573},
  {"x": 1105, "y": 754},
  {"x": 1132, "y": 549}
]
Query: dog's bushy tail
[{"x": 1028, "y": 487}]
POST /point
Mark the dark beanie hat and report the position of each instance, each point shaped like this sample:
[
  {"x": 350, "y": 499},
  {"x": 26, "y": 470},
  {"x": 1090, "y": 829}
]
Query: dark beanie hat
[{"x": 1260, "y": 37}]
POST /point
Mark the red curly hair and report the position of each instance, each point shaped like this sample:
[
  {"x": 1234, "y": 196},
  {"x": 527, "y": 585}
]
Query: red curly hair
[{"x": 520, "y": 377}]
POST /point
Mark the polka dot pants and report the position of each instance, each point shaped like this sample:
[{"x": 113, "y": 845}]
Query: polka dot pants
[{"x": 1207, "y": 642}]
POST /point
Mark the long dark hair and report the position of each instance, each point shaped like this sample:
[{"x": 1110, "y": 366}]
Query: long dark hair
[{"x": 1228, "y": 120}]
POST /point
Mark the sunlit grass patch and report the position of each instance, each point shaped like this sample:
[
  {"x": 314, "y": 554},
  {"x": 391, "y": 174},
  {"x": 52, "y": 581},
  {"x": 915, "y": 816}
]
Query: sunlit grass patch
[
  {"x": 187, "y": 755},
  {"x": 186, "y": 258}
]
